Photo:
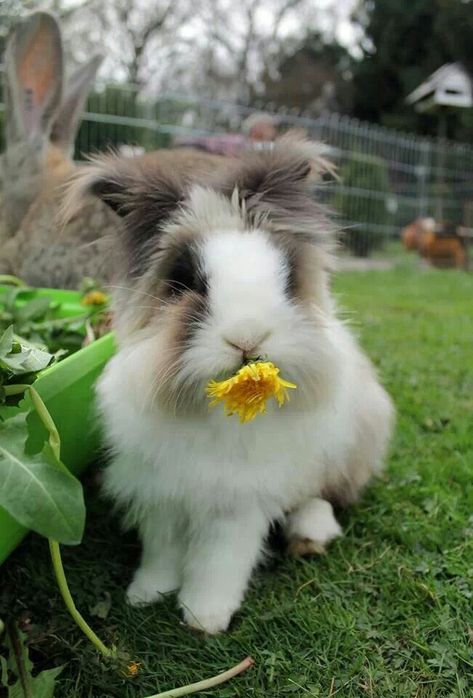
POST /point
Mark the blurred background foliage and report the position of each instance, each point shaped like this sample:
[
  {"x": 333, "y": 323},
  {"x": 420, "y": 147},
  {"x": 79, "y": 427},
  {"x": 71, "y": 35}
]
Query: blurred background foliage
[
  {"x": 368, "y": 174},
  {"x": 179, "y": 67},
  {"x": 356, "y": 57},
  {"x": 404, "y": 43}
]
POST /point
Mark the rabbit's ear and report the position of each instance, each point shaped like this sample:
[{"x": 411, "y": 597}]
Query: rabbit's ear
[
  {"x": 276, "y": 186},
  {"x": 68, "y": 116},
  {"x": 34, "y": 76},
  {"x": 143, "y": 194}
]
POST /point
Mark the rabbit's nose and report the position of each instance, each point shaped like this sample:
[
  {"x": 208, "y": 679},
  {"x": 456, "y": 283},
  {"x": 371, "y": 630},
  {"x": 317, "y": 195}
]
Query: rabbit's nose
[{"x": 248, "y": 347}]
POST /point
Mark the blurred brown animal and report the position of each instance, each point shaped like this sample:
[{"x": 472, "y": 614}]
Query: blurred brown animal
[
  {"x": 412, "y": 235},
  {"x": 438, "y": 243},
  {"x": 444, "y": 248}
]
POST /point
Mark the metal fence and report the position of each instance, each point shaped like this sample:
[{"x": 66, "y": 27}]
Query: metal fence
[{"x": 386, "y": 178}]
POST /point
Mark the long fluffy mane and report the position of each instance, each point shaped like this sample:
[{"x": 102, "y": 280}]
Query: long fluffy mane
[{"x": 274, "y": 189}]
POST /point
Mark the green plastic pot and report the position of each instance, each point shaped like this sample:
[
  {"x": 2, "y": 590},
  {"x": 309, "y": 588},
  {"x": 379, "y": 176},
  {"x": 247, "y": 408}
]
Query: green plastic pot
[{"x": 67, "y": 389}]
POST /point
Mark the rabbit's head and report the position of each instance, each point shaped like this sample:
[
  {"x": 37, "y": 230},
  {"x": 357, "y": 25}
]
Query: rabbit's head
[
  {"x": 219, "y": 270},
  {"x": 42, "y": 113}
]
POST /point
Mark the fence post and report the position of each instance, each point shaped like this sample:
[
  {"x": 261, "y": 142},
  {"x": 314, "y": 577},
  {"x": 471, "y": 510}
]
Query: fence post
[{"x": 422, "y": 171}]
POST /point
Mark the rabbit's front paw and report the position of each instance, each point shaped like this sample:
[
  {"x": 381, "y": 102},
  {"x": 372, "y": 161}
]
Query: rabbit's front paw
[
  {"x": 218, "y": 568},
  {"x": 150, "y": 586},
  {"x": 311, "y": 527},
  {"x": 210, "y": 617}
]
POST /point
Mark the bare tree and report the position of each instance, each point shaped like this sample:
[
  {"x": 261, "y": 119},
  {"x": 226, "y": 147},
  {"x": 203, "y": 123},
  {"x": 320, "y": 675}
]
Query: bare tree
[
  {"x": 220, "y": 47},
  {"x": 10, "y": 11},
  {"x": 247, "y": 37},
  {"x": 133, "y": 34}
]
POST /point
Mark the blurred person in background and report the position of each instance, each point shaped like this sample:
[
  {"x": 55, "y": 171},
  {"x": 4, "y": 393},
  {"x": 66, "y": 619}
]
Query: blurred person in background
[{"x": 259, "y": 130}]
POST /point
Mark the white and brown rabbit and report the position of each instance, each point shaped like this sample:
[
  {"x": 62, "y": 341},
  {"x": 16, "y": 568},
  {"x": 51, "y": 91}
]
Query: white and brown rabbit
[{"x": 211, "y": 273}]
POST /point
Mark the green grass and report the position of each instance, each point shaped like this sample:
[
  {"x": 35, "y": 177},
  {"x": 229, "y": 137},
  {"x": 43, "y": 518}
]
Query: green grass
[{"x": 388, "y": 612}]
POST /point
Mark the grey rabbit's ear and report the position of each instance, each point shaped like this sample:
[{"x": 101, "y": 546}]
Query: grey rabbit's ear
[
  {"x": 67, "y": 120},
  {"x": 34, "y": 77},
  {"x": 33, "y": 90}
]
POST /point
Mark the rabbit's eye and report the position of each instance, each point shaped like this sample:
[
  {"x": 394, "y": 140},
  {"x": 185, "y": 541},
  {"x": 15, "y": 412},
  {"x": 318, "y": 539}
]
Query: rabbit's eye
[{"x": 184, "y": 274}]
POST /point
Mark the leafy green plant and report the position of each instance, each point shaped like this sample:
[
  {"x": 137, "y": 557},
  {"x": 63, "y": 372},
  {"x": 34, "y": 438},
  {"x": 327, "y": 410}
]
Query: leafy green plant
[
  {"x": 20, "y": 357},
  {"x": 361, "y": 202},
  {"x": 43, "y": 495},
  {"x": 37, "y": 318},
  {"x": 16, "y": 670},
  {"x": 38, "y": 491}
]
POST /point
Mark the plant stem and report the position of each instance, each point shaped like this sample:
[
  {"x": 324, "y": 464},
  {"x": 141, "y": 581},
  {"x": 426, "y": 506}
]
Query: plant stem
[
  {"x": 59, "y": 322},
  {"x": 17, "y": 658},
  {"x": 16, "y": 389},
  {"x": 11, "y": 280},
  {"x": 54, "y": 548},
  {"x": 55, "y": 443},
  {"x": 206, "y": 683},
  {"x": 48, "y": 422},
  {"x": 69, "y": 601}
]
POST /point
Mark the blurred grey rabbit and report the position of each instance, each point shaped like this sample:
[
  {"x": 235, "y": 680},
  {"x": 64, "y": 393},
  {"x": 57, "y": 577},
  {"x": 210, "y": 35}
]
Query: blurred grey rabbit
[
  {"x": 42, "y": 118},
  {"x": 41, "y": 123}
]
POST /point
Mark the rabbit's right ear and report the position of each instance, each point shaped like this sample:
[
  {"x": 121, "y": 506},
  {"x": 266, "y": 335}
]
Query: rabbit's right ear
[
  {"x": 68, "y": 116},
  {"x": 34, "y": 77}
]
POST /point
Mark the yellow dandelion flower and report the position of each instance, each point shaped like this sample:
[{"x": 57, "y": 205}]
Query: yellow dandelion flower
[
  {"x": 133, "y": 668},
  {"x": 95, "y": 298},
  {"x": 247, "y": 392}
]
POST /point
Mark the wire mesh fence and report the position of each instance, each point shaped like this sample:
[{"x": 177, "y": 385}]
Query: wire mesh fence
[{"x": 386, "y": 179}]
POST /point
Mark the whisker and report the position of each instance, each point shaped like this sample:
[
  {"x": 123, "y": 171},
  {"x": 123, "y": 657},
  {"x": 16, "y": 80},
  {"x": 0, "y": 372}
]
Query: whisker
[
  {"x": 172, "y": 285},
  {"x": 166, "y": 378},
  {"x": 161, "y": 300}
]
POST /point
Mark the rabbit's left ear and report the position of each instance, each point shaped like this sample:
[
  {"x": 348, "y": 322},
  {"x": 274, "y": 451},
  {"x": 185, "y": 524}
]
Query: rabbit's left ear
[
  {"x": 33, "y": 78},
  {"x": 68, "y": 116},
  {"x": 143, "y": 195}
]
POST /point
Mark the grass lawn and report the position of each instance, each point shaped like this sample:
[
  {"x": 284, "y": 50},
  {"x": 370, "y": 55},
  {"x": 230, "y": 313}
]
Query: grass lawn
[{"x": 388, "y": 612}]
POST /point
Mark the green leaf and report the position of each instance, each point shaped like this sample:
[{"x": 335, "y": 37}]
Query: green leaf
[
  {"x": 21, "y": 666},
  {"x": 17, "y": 691},
  {"x": 38, "y": 491},
  {"x": 4, "y": 674},
  {"x": 43, "y": 684},
  {"x": 34, "y": 309},
  {"x": 9, "y": 298},
  {"x": 49, "y": 457},
  {"x": 30, "y": 359},
  {"x": 102, "y": 608},
  {"x": 20, "y": 357},
  {"x": 19, "y": 663},
  {"x": 6, "y": 341}
]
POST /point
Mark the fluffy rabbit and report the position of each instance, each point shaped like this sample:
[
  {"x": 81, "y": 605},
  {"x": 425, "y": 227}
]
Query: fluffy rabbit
[
  {"x": 41, "y": 123},
  {"x": 212, "y": 272},
  {"x": 32, "y": 93}
]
